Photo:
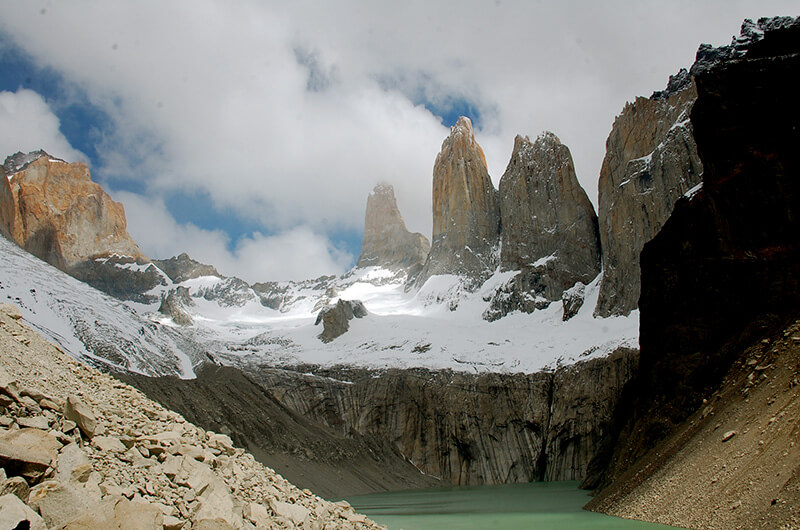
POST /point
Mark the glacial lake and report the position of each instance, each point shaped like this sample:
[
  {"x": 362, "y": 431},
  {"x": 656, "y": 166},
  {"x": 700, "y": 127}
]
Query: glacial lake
[{"x": 539, "y": 505}]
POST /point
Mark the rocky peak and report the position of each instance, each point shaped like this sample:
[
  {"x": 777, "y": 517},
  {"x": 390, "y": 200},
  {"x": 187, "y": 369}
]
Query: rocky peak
[
  {"x": 387, "y": 242},
  {"x": 549, "y": 227},
  {"x": 54, "y": 210},
  {"x": 16, "y": 162},
  {"x": 181, "y": 268},
  {"x": 466, "y": 215},
  {"x": 651, "y": 161}
]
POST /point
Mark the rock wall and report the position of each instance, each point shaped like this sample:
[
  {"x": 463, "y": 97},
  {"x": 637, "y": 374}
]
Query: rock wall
[
  {"x": 466, "y": 215},
  {"x": 651, "y": 161},
  {"x": 549, "y": 228},
  {"x": 469, "y": 429},
  {"x": 725, "y": 269},
  {"x": 53, "y": 210},
  {"x": 387, "y": 242},
  {"x": 546, "y": 214}
]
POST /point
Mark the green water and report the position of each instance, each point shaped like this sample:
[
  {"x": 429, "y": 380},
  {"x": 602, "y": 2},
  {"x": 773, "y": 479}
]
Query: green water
[{"x": 539, "y": 505}]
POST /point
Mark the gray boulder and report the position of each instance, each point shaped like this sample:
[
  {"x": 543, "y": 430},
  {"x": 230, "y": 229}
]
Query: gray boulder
[
  {"x": 336, "y": 318},
  {"x": 572, "y": 300}
]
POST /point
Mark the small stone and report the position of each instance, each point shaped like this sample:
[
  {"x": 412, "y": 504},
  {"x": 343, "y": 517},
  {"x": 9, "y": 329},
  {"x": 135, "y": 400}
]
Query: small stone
[
  {"x": 728, "y": 435},
  {"x": 34, "y": 422},
  {"x": 108, "y": 444},
  {"x": 81, "y": 414},
  {"x": 294, "y": 512},
  {"x": 15, "y": 486},
  {"x": 173, "y": 523}
]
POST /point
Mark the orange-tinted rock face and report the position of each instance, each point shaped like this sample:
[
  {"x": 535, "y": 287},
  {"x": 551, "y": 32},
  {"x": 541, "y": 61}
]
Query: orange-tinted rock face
[
  {"x": 466, "y": 215},
  {"x": 53, "y": 209}
]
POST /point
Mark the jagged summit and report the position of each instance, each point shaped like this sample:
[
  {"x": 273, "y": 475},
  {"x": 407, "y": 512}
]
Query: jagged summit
[
  {"x": 387, "y": 242},
  {"x": 182, "y": 267},
  {"x": 19, "y": 160},
  {"x": 466, "y": 216}
]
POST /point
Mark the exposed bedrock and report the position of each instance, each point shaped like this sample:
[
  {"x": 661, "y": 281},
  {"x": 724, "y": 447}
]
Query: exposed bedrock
[
  {"x": 724, "y": 271},
  {"x": 387, "y": 242},
  {"x": 547, "y": 216},
  {"x": 464, "y": 428},
  {"x": 466, "y": 215},
  {"x": 651, "y": 161}
]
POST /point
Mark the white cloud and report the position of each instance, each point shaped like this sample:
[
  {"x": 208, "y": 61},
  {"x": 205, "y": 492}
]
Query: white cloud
[
  {"x": 213, "y": 96},
  {"x": 296, "y": 254},
  {"x": 27, "y": 124}
]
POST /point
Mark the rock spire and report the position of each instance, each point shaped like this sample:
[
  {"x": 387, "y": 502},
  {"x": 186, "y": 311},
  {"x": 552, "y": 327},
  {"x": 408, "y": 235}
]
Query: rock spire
[
  {"x": 466, "y": 215},
  {"x": 387, "y": 242}
]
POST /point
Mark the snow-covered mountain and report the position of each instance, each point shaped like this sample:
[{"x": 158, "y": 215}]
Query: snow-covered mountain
[{"x": 90, "y": 325}]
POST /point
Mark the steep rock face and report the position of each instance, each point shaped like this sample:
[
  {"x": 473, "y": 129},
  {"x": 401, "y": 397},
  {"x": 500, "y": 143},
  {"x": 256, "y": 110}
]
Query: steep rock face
[
  {"x": 470, "y": 429},
  {"x": 336, "y": 318},
  {"x": 182, "y": 268},
  {"x": 549, "y": 227},
  {"x": 466, "y": 215},
  {"x": 724, "y": 272},
  {"x": 545, "y": 212},
  {"x": 651, "y": 161},
  {"x": 387, "y": 242},
  {"x": 53, "y": 210}
]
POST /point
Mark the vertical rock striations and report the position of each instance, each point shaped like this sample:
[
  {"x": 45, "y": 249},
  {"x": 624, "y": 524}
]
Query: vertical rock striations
[
  {"x": 469, "y": 429},
  {"x": 651, "y": 161},
  {"x": 387, "y": 242},
  {"x": 549, "y": 227},
  {"x": 466, "y": 215}
]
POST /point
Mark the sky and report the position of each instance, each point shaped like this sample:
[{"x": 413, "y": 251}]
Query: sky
[{"x": 250, "y": 133}]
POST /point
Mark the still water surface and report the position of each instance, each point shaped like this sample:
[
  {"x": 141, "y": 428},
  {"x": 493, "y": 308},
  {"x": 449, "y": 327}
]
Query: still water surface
[{"x": 539, "y": 505}]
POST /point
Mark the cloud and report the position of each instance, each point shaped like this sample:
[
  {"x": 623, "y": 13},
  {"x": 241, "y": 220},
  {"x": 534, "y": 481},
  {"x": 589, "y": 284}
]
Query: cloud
[
  {"x": 288, "y": 113},
  {"x": 28, "y": 124},
  {"x": 296, "y": 254}
]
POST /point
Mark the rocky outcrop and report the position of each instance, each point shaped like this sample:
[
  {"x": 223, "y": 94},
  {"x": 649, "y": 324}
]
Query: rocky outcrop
[
  {"x": 387, "y": 242},
  {"x": 723, "y": 272},
  {"x": 546, "y": 215},
  {"x": 141, "y": 465},
  {"x": 466, "y": 215},
  {"x": 181, "y": 268},
  {"x": 549, "y": 228},
  {"x": 572, "y": 301},
  {"x": 651, "y": 161},
  {"x": 174, "y": 306},
  {"x": 336, "y": 318},
  {"x": 469, "y": 429},
  {"x": 54, "y": 210}
]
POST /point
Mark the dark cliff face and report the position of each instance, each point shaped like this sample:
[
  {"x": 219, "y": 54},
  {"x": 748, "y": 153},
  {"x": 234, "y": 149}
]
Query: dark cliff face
[
  {"x": 725, "y": 269},
  {"x": 470, "y": 429}
]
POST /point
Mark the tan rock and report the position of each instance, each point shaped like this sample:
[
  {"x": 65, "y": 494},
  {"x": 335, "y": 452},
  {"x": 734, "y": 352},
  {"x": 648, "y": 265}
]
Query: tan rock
[
  {"x": 466, "y": 215},
  {"x": 81, "y": 414},
  {"x": 53, "y": 209},
  {"x": 34, "y": 422},
  {"x": 109, "y": 444},
  {"x": 257, "y": 514},
  {"x": 137, "y": 515},
  {"x": 28, "y": 452},
  {"x": 72, "y": 457},
  {"x": 387, "y": 242},
  {"x": 216, "y": 503},
  {"x": 15, "y": 486},
  {"x": 15, "y": 514},
  {"x": 60, "y": 503},
  {"x": 293, "y": 512}
]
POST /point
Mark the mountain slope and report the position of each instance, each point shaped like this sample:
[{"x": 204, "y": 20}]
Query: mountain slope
[{"x": 90, "y": 325}]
